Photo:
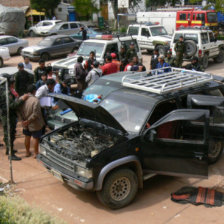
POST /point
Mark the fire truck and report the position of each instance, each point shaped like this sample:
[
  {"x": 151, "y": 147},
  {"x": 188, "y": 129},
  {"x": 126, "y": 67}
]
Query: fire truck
[{"x": 173, "y": 19}]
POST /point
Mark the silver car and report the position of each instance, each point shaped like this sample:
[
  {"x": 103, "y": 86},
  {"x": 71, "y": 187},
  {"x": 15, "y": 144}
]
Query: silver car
[
  {"x": 14, "y": 44},
  {"x": 64, "y": 28}
]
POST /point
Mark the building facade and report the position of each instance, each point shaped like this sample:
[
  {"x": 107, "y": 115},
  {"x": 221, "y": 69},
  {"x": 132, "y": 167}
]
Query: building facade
[{"x": 15, "y": 3}]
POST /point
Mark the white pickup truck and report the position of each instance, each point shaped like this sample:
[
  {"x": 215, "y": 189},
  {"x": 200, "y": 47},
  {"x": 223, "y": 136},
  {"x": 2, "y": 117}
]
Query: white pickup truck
[{"x": 150, "y": 37}]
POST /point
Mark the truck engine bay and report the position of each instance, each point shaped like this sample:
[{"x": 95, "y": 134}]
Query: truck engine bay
[{"x": 79, "y": 142}]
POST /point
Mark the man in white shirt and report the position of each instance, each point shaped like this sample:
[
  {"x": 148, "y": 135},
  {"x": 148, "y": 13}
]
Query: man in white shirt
[{"x": 27, "y": 63}]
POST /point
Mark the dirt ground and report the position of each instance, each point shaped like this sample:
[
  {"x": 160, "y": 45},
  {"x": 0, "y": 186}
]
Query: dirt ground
[{"x": 152, "y": 204}]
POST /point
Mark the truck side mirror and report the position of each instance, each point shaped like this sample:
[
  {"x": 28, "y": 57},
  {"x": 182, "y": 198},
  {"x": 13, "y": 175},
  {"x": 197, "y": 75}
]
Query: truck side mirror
[{"x": 150, "y": 135}]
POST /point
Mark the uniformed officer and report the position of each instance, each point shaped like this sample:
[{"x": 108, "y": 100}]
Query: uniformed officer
[
  {"x": 195, "y": 65},
  {"x": 169, "y": 59},
  {"x": 131, "y": 52},
  {"x": 14, "y": 103},
  {"x": 180, "y": 49}
]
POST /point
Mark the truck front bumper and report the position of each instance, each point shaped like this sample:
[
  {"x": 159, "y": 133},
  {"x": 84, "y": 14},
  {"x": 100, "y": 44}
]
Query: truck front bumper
[{"x": 66, "y": 176}]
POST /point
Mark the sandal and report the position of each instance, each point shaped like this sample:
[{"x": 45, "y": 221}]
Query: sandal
[{"x": 28, "y": 154}]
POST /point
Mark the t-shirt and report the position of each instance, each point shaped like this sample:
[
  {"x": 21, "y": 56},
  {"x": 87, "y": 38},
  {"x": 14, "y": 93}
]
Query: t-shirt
[{"x": 109, "y": 68}]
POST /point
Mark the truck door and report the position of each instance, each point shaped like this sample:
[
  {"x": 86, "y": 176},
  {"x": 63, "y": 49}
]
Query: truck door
[
  {"x": 145, "y": 40},
  {"x": 183, "y": 153},
  {"x": 214, "y": 47}
]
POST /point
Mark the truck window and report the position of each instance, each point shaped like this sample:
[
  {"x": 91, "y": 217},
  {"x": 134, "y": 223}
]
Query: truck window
[
  {"x": 191, "y": 36},
  {"x": 145, "y": 32},
  {"x": 177, "y": 36},
  {"x": 201, "y": 17},
  {"x": 111, "y": 48},
  {"x": 211, "y": 37},
  {"x": 183, "y": 16},
  {"x": 204, "y": 38},
  {"x": 212, "y": 17},
  {"x": 128, "y": 42},
  {"x": 133, "y": 30}
]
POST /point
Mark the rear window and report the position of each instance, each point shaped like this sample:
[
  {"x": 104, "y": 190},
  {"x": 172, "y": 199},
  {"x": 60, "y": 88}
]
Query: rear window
[
  {"x": 191, "y": 36},
  {"x": 177, "y": 36},
  {"x": 133, "y": 30},
  {"x": 204, "y": 38},
  {"x": 73, "y": 25}
]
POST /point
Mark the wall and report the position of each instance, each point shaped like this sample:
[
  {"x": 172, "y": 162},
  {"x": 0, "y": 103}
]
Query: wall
[{"x": 15, "y": 3}]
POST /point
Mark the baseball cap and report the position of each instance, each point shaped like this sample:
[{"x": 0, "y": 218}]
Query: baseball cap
[
  {"x": 20, "y": 65},
  {"x": 113, "y": 55}
]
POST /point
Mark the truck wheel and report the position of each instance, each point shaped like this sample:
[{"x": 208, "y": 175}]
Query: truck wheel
[
  {"x": 214, "y": 151},
  {"x": 45, "y": 56},
  {"x": 119, "y": 189},
  {"x": 205, "y": 61},
  {"x": 191, "y": 48},
  {"x": 161, "y": 49},
  {"x": 1, "y": 63},
  {"x": 220, "y": 57}
]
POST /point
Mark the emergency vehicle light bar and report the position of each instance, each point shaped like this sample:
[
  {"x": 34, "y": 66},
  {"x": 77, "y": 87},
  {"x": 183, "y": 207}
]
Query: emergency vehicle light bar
[{"x": 163, "y": 82}]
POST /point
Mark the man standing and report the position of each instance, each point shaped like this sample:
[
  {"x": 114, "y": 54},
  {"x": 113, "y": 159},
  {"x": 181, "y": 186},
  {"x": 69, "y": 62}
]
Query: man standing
[
  {"x": 90, "y": 61},
  {"x": 154, "y": 59},
  {"x": 94, "y": 74},
  {"x": 32, "y": 120},
  {"x": 80, "y": 75},
  {"x": 44, "y": 90},
  {"x": 131, "y": 52},
  {"x": 14, "y": 104},
  {"x": 109, "y": 67},
  {"x": 23, "y": 80},
  {"x": 84, "y": 33},
  {"x": 27, "y": 63},
  {"x": 180, "y": 49},
  {"x": 39, "y": 70}
]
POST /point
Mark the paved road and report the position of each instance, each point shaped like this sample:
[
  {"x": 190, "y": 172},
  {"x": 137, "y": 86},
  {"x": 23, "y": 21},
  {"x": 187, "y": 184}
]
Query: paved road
[{"x": 152, "y": 205}]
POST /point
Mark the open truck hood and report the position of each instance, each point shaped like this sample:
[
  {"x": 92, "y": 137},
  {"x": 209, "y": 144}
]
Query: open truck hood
[{"x": 90, "y": 111}]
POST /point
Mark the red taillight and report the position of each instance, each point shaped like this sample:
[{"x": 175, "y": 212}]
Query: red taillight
[{"x": 199, "y": 53}]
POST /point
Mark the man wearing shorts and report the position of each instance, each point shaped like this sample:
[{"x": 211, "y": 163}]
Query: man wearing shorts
[{"x": 32, "y": 120}]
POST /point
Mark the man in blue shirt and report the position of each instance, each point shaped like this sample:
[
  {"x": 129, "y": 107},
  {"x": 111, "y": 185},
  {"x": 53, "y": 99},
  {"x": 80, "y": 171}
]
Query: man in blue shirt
[{"x": 162, "y": 64}]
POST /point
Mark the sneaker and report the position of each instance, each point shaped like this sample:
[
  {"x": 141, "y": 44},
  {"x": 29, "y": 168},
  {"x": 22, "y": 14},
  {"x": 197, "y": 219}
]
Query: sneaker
[{"x": 14, "y": 157}]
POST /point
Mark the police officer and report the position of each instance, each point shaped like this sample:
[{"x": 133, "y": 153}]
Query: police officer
[
  {"x": 23, "y": 79},
  {"x": 131, "y": 52},
  {"x": 180, "y": 49},
  {"x": 169, "y": 59},
  {"x": 14, "y": 103},
  {"x": 195, "y": 65}
]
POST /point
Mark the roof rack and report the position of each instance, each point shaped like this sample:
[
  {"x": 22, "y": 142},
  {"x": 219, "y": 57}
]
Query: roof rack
[
  {"x": 194, "y": 28},
  {"x": 163, "y": 82}
]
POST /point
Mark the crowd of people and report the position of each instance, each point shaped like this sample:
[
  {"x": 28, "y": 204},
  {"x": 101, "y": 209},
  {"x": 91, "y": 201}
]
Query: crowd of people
[{"x": 26, "y": 90}]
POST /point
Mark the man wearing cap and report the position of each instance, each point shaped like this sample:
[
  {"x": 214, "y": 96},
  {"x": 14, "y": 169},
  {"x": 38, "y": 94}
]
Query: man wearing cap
[
  {"x": 169, "y": 59},
  {"x": 115, "y": 61},
  {"x": 180, "y": 49},
  {"x": 131, "y": 52},
  {"x": 14, "y": 104},
  {"x": 22, "y": 80},
  {"x": 195, "y": 65}
]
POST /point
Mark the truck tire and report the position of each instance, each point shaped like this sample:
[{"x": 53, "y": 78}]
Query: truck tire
[
  {"x": 191, "y": 48},
  {"x": 220, "y": 57},
  {"x": 215, "y": 151},
  {"x": 204, "y": 61},
  {"x": 119, "y": 189},
  {"x": 161, "y": 49}
]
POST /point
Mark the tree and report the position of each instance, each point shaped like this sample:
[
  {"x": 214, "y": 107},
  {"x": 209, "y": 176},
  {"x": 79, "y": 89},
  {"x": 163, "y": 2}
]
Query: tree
[
  {"x": 218, "y": 4},
  {"x": 86, "y": 8},
  {"x": 47, "y": 6},
  {"x": 153, "y": 3}
]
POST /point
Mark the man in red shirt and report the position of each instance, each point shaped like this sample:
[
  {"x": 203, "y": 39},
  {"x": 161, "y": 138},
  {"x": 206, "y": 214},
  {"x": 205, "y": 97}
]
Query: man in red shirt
[
  {"x": 114, "y": 60},
  {"x": 109, "y": 67}
]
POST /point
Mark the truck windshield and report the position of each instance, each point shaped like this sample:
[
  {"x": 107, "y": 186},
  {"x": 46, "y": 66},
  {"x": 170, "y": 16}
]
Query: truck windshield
[
  {"x": 212, "y": 17},
  {"x": 131, "y": 116},
  {"x": 158, "y": 31},
  {"x": 87, "y": 47}
]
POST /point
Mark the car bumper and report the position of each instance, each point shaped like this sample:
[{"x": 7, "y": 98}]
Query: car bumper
[
  {"x": 32, "y": 57},
  {"x": 64, "y": 176}
]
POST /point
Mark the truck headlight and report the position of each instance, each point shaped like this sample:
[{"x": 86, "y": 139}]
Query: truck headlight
[
  {"x": 71, "y": 71},
  {"x": 87, "y": 173},
  {"x": 42, "y": 150}
]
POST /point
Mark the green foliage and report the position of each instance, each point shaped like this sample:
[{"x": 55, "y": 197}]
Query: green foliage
[
  {"x": 151, "y": 3},
  {"x": 218, "y": 4},
  {"x": 85, "y": 8},
  {"x": 17, "y": 211},
  {"x": 47, "y": 6}
]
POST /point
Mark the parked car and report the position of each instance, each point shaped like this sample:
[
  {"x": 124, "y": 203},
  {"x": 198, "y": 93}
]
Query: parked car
[
  {"x": 91, "y": 33},
  {"x": 150, "y": 37},
  {"x": 14, "y": 44},
  {"x": 42, "y": 27},
  {"x": 63, "y": 28},
  {"x": 102, "y": 45},
  {"x": 50, "y": 47},
  {"x": 201, "y": 43},
  {"x": 4, "y": 55},
  {"x": 170, "y": 124}
]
